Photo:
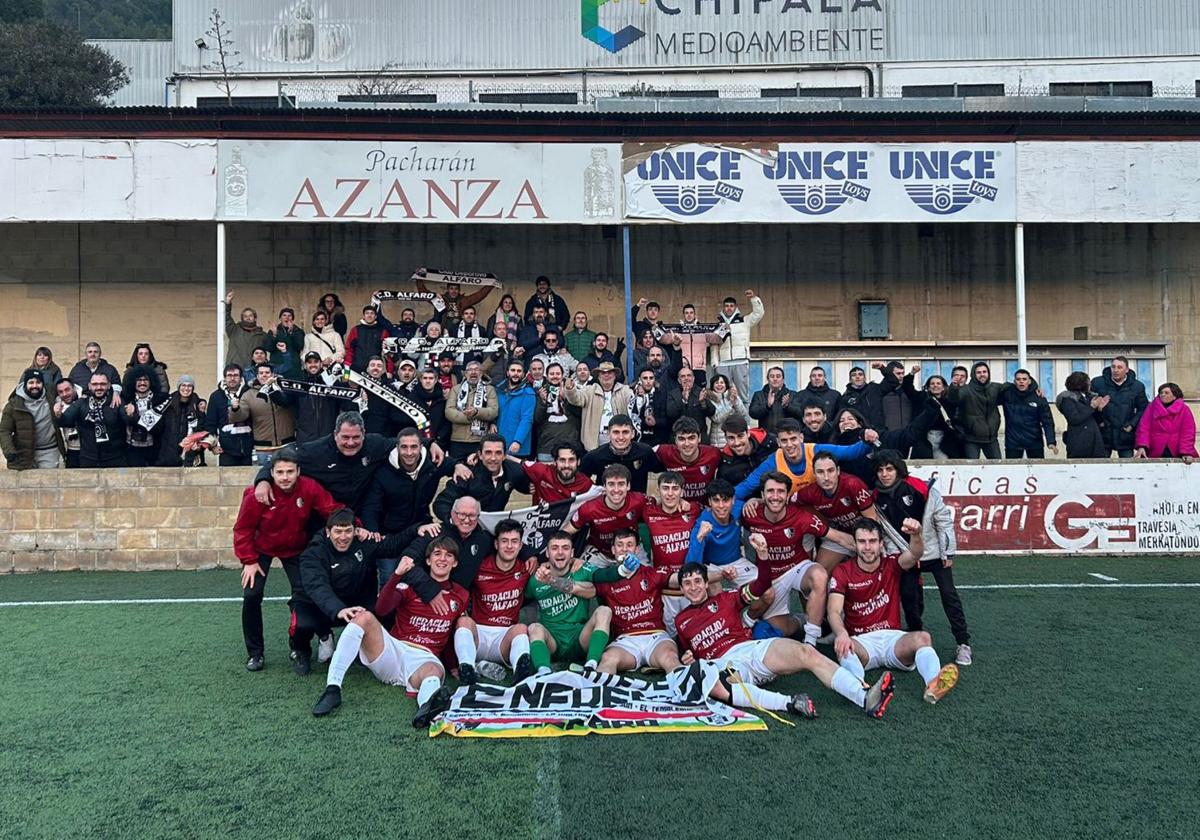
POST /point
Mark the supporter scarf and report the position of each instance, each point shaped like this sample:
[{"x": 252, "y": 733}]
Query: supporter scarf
[
  {"x": 387, "y": 294},
  {"x": 461, "y": 278},
  {"x": 641, "y": 404},
  {"x": 313, "y": 389},
  {"x": 554, "y": 410},
  {"x": 405, "y": 403},
  {"x": 478, "y": 401},
  {"x": 151, "y": 414},
  {"x": 95, "y": 416},
  {"x": 465, "y": 330},
  {"x": 420, "y": 346},
  {"x": 721, "y": 329}
]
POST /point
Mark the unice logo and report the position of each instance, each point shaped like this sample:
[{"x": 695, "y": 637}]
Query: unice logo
[
  {"x": 943, "y": 182},
  {"x": 690, "y": 183},
  {"x": 818, "y": 181}
]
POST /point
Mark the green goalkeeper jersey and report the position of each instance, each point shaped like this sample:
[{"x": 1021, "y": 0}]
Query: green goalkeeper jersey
[{"x": 560, "y": 612}]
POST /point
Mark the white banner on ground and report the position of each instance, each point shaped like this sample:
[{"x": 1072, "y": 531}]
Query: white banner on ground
[
  {"x": 1052, "y": 507},
  {"x": 821, "y": 182}
]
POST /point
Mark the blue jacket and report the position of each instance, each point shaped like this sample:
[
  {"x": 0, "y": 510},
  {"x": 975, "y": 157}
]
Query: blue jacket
[
  {"x": 1026, "y": 418},
  {"x": 1120, "y": 418},
  {"x": 723, "y": 545},
  {"x": 515, "y": 419},
  {"x": 751, "y": 483}
]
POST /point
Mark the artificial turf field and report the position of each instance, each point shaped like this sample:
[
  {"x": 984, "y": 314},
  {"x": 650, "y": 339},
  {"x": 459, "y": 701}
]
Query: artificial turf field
[{"x": 1078, "y": 719}]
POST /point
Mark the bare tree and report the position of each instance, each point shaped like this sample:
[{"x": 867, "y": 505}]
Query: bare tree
[
  {"x": 227, "y": 61},
  {"x": 383, "y": 83}
]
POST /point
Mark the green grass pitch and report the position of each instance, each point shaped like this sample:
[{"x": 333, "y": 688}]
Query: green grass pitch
[{"x": 1077, "y": 720}]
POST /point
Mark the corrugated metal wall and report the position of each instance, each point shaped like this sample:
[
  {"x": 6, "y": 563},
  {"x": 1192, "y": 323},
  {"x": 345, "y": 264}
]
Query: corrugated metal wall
[
  {"x": 301, "y": 36},
  {"x": 149, "y": 64}
]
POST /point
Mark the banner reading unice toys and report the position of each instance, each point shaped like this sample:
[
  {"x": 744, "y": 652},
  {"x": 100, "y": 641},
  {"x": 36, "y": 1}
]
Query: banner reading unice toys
[{"x": 1115, "y": 507}]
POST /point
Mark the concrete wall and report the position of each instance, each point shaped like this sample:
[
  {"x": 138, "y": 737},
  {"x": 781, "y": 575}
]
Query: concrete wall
[{"x": 66, "y": 284}]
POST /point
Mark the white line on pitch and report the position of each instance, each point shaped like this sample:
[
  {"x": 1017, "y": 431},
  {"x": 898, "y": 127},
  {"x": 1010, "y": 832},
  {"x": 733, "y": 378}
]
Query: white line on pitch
[{"x": 1099, "y": 576}]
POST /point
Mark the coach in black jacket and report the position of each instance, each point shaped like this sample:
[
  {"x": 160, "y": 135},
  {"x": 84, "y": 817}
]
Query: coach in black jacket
[
  {"x": 337, "y": 571},
  {"x": 491, "y": 483},
  {"x": 403, "y": 488}
]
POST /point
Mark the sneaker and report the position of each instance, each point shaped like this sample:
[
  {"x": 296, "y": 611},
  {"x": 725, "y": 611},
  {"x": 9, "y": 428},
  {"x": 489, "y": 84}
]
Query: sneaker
[
  {"x": 879, "y": 696},
  {"x": 254, "y": 663},
  {"x": 523, "y": 670},
  {"x": 329, "y": 700},
  {"x": 802, "y": 705},
  {"x": 301, "y": 662},
  {"x": 962, "y": 655},
  {"x": 493, "y": 671},
  {"x": 434, "y": 706},
  {"x": 940, "y": 685},
  {"x": 325, "y": 649},
  {"x": 466, "y": 674}
]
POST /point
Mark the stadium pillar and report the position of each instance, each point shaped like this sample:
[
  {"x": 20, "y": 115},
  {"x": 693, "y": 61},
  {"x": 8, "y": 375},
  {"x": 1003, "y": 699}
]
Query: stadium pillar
[
  {"x": 220, "y": 300},
  {"x": 630, "y": 373},
  {"x": 1022, "y": 339}
]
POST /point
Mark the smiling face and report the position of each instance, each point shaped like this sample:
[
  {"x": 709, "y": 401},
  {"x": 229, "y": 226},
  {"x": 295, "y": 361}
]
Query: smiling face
[
  {"x": 566, "y": 465},
  {"x": 98, "y": 386},
  {"x": 441, "y": 563},
  {"x": 775, "y": 496},
  {"x": 688, "y": 444},
  {"x": 847, "y": 422},
  {"x": 814, "y": 418},
  {"x": 143, "y": 355},
  {"x": 620, "y": 436},
  {"x": 285, "y": 474},
  {"x": 348, "y": 439},
  {"x": 491, "y": 453},
  {"x": 558, "y": 552},
  {"x": 341, "y": 536},
  {"x": 694, "y": 588},
  {"x": 790, "y": 443},
  {"x": 616, "y": 491},
  {"x": 868, "y": 545},
  {"x": 375, "y": 368},
  {"x": 508, "y": 546},
  {"x": 408, "y": 451}
]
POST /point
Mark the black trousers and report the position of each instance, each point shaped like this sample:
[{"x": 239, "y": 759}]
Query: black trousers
[
  {"x": 227, "y": 460},
  {"x": 141, "y": 456},
  {"x": 252, "y": 599},
  {"x": 912, "y": 598},
  {"x": 1015, "y": 453}
]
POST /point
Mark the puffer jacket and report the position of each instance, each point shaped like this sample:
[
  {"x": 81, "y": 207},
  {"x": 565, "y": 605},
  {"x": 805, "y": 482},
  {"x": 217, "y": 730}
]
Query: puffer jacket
[
  {"x": 1167, "y": 428},
  {"x": 1026, "y": 418},
  {"x": 736, "y": 348},
  {"x": 18, "y": 432},
  {"x": 1082, "y": 437},
  {"x": 327, "y": 344},
  {"x": 1119, "y": 419}
]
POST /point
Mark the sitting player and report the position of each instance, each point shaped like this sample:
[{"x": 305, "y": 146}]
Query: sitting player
[
  {"x": 711, "y": 628},
  {"x": 840, "y": 499},
  {"x": 492, "y": 632},
  {"x": 563, "y": 630},
  {"x": 408, "y": 655},
  {"x": 864, "y": 612}
]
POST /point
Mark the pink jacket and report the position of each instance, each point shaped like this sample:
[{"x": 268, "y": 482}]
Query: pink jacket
[{"x": 1167, "y": 427}]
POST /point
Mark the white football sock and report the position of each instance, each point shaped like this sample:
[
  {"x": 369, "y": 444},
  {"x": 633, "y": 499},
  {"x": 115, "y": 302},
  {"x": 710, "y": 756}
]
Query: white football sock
[
  {"x": 812, "y": 632},
  {"x": 428, "y": 687},
  {"x": 344, "y": 654},
  {"x": 845, "y": 683},
  {"x": 749, "y": 696},
  {"x": 854, "y": 665},
  {"x": 464, "y": 645},
  {"x": 518, "y": 648},
  {"x": 928, "y": 664}
]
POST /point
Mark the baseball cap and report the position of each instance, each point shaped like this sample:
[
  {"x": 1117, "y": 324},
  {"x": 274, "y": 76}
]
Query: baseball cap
[
  {"x": 408, "y": 363},
  {"x": 312, "y": 354}
]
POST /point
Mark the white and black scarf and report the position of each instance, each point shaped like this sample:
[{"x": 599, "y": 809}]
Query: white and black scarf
[
  {"x": 478, "y": 401},
  {"x": 95, "y": 416}
]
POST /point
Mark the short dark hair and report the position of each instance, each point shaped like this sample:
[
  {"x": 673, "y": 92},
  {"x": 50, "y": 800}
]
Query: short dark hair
[
  {"x": 864, "y": 523},
  {"x": 1121, "y": 359},
  {"x": 615, "y": 471},
  {"x": 370, "y": 308},
  {"x": 693, "y": 568},
  {"x": 1166, "y": 386},
  {"x": 570, "y": 447},
  {"x": 812, "y": 404},
  {"x": 445, "y": 543},
  {"x": 777, "y": 477},
  {"x": 891, "y": 458},
  {"x": 734, "y": 424},
  {"x": 1078, "y": 381},
  {"x": 349, "y": 418},
  {"x": 340, "y": 518},
  {"x": 624, "y": 534},
  {"x": 685, "y": 426},
  {"x": 825, "y": 456},
  {"x": 407, "y": 431},
  {"x": 257, "y": 368},
  {"x": 670, "y": 477},
  {"x": 286, "y": 456},
  {"x": 957, "y": 368},
  {"x": 788, "y": 425},
  {"x": 731, "y": 299},
  {"x": 653, "y": 303},
  {"x": 508, "y": 526},
  {"x": 492, "y": 437},
  {"x": 622, "y": 420},
  {"x": 559, "y": 535},
  {"x": 234, "y": 367},
  {"x": 601, "y": 334},
  {"x": 719, "y": 487}
]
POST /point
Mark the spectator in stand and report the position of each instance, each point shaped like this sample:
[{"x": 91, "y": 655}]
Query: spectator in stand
[
  {"x": 726, "y": 402},
  {"x": 1126, "y": 401},
  {"x": 183, "y": 416},
  {"x": 652, "y": 319},
  {"x": 899, "y": 400},
  {"x": 456, "y": 302},
  {"x": 602, "y": 401},
  {"x": 325, "y": 341},
  {"x": 1167, "y": 428},
  {"x": 242, "y": 336},
  {"x": 427, "y": 393},
  {"x": 959, "y": 376},
  {"x": 257, "y": 357},
  {"x": 315, "y": 415},
  {"x": 537, "y": 373},
  {"x": 143, "y": 432},
  {"x": 471, "y": 408},
  {"x": 553, "y": 350},
  {"x": 557, "y": 311},
  {"x": 816, "y": 426},
  {"x": 335, "y": 313},
  {"x": 28, "y": 436},
  {"x": 92, "y": 363},
  {"x": 657, "y": 361},
  {"x": 365, "y": 340},
  {"x": 732, "y": 356},
  {"x": 693, "y": 346},
  {"x": 863, "y": 396},
  {"x": 285, "y": 344},
  {"x": 380, "y": 415},
  {"x": 690, "y": 400},
  {"x": 43, "y": 362},
  {"x": 271, "y": 416},
  {"x": 557, "y": 414},
  {"x": 447, "y": 372},
  {"x": 405, "y": 329},
  {"x": 468, "y": 327},
  {"x": 1026, "y": 419},
  {"x": 942, "y": 441},
  {"x": 775, "y": 402},
  {"x": 500, "y": 359},
  {"x": 578, "y": 340},
  {"x": 817, "y": 390},
  {"x": 649, "y": 409},
  {"x": 1081, "y": 408},
  {"x": 599, "y": 352},
  {"x": 979, "y": 413},
  {"x": 583, "y": 374},
  {"x": 65, "y": 393},
  {"x": 98, "y": 419},
  {"x": 516, "y": 404},
  {"x": 529, "y": 340},
  {"x": 506, "y": 312},
  {"x": 235, "y": 442},
  {"x": 143, "y": 356}
]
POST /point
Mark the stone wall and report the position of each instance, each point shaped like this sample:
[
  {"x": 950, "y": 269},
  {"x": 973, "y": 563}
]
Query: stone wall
[{"x": 119, "y": 520}]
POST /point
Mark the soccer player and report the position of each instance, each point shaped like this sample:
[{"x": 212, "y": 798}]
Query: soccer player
[
  {"x": 778, "y": 533},
  {"x": 555, "y": 483},
  {"x": 492, "y": 632},
  {"x": 633, "y": 592},
  {"x": 670, "y": 528},
  {"x": 711, "y": 627},
  {"x": 841, "y": 499},
  {"x": 563, "y": 630},
  {"x": 408, "y": 654},
  {"x": 864, "y": 612},
  {"x": 794, "y": 458},
  {"x": 697, "y": 462},
  {"x": 617, "y": 510}
]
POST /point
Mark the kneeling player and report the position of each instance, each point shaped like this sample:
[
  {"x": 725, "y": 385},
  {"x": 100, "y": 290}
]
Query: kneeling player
[
  {"x": 408, "y": 655},
  {"x": 492, "y": 632},
  {"x": 563, "y": 630},
  {"x": 864, "y": 612},
  {"x": 711, "y": 627}
]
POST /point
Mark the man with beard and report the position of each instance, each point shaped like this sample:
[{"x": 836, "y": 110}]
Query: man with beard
[
  {"x": 242, "y": 337},
  {"x": 599, "y": 352},
  {"x": 65, "y": 393},
  {"x": 272, "y": 416},
  {"x": 818, "y": 391},
  {"x": 468, "y": 327},
  {"x": 380, "y": 415},
  {"x": 557, "y": 414},
  {"x": 492, "y": 480},
  {"x": 516, "y": 406},
  {"x": 470, "y": 408},
  {"x": 817, "y": 427},
  {"x": 315, "y": 415},
  {"x": 555, "y": 307},
  {"x": 181, "y": 417},
  {"x": 555, "y": 483},
  {"x": 284, "y": 344},
  {"x": 365, "y": 340},
  {"x": 623, "y": 449},
  {"x": 745, "y": 449},
  {"x": 28, "y": 436},
  {"x": 143, "y": 422},
  {"x": 426, "y": 393},
  {"x": 100, "y": 425},
  {"x": 235, "y": 443},
  {"x": 529, "y": 339},
  {"x": 649, "y": 407},
  {"x": 456, "y": 302},
  {"x": 979, "y": 413}
]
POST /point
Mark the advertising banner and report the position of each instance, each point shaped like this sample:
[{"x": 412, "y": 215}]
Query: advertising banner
[
  {"x": 406, "y": 181},
  {"x": 821, "y": 182},
  {"x": 1127, "y": 507}
]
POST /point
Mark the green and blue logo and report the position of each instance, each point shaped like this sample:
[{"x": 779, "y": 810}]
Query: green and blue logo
[{"x": 614, "y": 42}]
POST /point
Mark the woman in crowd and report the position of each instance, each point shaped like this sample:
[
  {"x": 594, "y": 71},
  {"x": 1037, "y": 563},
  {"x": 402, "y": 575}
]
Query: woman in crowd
[
  {"x": 324, "y": 340},
  {"x": 942, "y": 442},
  {"x": 43, "y": 361},
  {"x": 1078, "y": 405},
  {"x": 1167, "y": 428},
  {"x": 144, "y": 356},
  {"x": 335, "y": 313},
  {"x": 183, "y": 416},
  {"x": 507, "y": 312},
  {"x": 725, "y": 401}
]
